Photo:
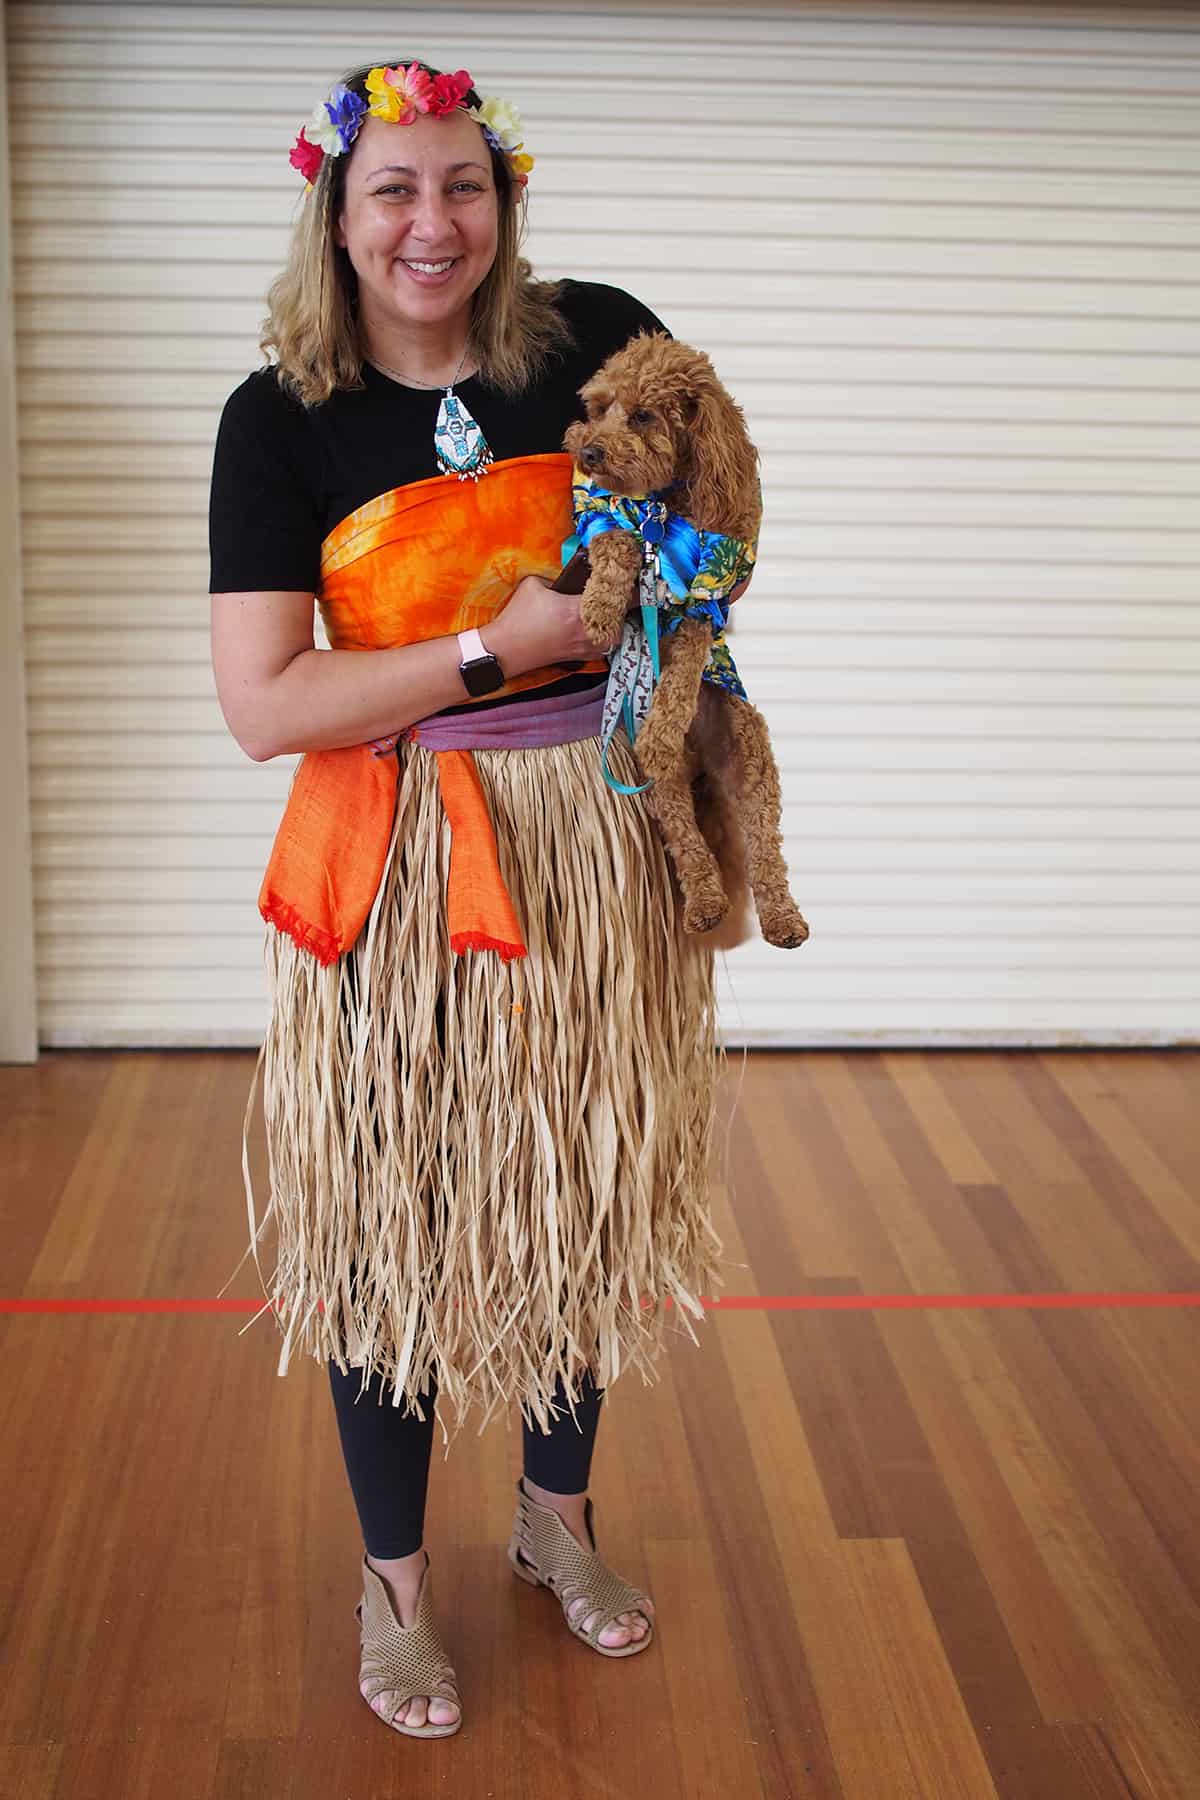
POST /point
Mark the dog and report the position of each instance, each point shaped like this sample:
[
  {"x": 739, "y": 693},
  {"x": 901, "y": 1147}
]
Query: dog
[{"x": 660, "y": 423}]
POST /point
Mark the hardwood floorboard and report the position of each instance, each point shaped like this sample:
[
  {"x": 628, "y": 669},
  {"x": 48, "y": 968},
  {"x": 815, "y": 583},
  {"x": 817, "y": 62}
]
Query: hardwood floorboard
[{"x": 899, "y": 1552}]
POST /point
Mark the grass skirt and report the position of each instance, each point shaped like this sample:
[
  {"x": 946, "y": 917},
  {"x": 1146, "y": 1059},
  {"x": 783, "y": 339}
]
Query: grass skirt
[{"x": 497, "y": 1174}]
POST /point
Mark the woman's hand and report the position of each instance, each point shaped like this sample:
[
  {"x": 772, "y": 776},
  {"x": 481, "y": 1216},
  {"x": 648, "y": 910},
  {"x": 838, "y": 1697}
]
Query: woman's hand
[{"x": 538, "y": 626}]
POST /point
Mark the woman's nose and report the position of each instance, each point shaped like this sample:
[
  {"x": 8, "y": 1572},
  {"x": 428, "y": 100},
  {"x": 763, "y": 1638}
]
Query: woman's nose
[{"x": 430, "y": 218}]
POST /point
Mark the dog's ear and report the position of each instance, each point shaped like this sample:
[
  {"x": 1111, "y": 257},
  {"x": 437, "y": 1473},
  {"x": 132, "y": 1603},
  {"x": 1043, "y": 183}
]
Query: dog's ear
[{"x": 723, "y": 477}]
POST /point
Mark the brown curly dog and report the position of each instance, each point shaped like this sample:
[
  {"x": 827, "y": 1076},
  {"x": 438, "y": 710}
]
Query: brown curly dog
[{"x": 658, "y": 418}]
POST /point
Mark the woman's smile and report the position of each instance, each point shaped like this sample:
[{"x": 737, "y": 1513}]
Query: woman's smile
[{"x": 429, "y": 274}]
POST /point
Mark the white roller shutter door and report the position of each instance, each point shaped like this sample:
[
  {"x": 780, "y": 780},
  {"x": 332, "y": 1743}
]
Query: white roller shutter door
[{"x": 946, "y": 257}]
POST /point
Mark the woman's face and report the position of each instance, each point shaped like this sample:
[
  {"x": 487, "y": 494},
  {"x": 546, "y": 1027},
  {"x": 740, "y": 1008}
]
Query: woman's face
[{"x": 419, "y": 219}]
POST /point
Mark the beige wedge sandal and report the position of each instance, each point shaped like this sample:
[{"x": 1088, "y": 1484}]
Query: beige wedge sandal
[
  {"x": 403, "y": 1660},
  {"x": 544, "y": 1553}
]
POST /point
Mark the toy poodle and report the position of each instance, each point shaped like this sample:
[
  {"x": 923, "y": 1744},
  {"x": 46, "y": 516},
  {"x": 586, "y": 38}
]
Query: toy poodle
[{"x": 661, "y": 426}]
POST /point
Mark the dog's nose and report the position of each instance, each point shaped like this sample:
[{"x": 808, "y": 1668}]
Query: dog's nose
[{"x": 593, "y": 457}]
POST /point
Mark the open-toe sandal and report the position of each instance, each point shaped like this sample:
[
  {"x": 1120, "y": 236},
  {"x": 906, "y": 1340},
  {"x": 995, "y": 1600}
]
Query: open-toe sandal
[
  {"x": 544, "y": 1553},
  {"x": 403, "y": 1661}
]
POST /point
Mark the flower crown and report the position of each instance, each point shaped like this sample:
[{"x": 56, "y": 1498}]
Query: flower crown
[{"x": 398, "y": 96}]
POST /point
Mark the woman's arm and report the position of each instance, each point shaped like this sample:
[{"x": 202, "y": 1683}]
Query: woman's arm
[{"x": 281, "y": 695}]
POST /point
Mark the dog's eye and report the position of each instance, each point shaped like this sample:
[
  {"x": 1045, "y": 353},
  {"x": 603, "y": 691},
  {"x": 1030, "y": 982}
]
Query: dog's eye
[
  {"x": 596, "y": 409},
  {"x": 641, "y": 417}
]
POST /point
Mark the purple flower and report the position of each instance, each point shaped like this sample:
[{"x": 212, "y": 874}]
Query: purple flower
[{"x": 346, "y": 112}]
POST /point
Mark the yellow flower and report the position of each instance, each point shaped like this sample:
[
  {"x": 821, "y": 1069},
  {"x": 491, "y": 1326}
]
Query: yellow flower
[
  {"x": 385, "y": 102},
  {"x": 399, "y": 94}
]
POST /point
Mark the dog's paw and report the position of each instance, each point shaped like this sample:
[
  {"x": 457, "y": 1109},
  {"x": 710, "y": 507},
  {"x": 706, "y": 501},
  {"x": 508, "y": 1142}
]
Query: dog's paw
[
  {"x": 602, "y": 614},
  {"x": 783, "y": 926},
  {"x": 705, "y": 908}
]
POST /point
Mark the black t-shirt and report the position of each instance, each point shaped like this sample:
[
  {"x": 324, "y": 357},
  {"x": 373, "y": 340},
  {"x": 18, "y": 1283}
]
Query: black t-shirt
[{"x": 284, "y": 476}]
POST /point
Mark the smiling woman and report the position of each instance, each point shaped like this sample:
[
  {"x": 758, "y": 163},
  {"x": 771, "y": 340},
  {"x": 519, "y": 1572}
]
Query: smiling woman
[
  {"x": 398, "y": 186},
  {"x": 490, "y": 1062}
]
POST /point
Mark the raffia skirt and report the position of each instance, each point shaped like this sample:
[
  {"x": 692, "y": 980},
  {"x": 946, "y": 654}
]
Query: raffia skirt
[{"x": 497, "y": 1174}]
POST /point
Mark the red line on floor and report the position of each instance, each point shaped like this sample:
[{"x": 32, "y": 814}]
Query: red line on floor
[{"x": 733, "y": 1303}]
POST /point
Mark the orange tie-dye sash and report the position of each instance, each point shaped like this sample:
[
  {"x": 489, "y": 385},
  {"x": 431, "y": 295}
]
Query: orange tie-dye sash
[{"x": 421, "y": 561}]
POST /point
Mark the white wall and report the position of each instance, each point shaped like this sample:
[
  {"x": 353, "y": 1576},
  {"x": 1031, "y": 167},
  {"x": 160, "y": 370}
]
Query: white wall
[{"x": 946, "y": 258}]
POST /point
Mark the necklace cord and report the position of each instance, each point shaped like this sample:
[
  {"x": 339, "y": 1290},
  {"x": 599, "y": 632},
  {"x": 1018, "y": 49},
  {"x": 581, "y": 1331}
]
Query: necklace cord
[{"x": 431, "y": 387}]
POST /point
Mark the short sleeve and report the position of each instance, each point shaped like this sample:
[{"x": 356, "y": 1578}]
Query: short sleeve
[
  {"x": 604, "y": 318},
  {"x": 264, "y": 524},
  {"x": 629, "y": 316}
]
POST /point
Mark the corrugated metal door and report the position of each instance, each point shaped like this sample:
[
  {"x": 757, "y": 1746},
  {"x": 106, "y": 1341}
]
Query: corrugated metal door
[{"x": 948, "y": 264}]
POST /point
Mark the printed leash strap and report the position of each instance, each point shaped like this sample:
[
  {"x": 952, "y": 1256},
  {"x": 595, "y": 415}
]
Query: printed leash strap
[{"x": 634, "y": 670}]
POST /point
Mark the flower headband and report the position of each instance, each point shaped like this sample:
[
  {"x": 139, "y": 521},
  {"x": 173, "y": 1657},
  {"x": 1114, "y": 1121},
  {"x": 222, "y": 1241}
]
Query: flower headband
[{"x": 398, "y": 96}]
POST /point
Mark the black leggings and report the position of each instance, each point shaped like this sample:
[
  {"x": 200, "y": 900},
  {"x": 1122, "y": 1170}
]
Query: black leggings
[{"x": 387, "y": 1451}]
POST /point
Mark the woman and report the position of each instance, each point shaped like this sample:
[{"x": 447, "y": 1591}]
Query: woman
[{"x": 490, "y": 1062}]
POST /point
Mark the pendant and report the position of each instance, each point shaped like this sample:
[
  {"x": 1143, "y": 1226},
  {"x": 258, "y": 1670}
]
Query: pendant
[{"x": 461, "y": 447}]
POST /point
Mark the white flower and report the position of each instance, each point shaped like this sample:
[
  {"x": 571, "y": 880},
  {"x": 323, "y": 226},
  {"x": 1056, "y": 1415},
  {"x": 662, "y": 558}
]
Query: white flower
[
  {"x": 322, "y": 130},
  {"x": 501, "y": 117}
]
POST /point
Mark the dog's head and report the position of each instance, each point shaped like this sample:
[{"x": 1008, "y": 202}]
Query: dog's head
[{"x": 657, "y": 415}]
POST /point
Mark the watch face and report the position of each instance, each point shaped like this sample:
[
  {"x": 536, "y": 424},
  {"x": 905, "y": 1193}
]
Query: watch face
[{"x": 483, "y": 676}]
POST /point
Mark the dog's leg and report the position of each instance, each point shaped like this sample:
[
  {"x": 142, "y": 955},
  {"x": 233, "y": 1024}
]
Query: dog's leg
[
  {"x": 661, "y": 751},
  {"x": 683, "y": 655},
  {"x": 716, "y": 807},
  {"x": 616, "y": 557},
  {"x": 757, "y": 777}
]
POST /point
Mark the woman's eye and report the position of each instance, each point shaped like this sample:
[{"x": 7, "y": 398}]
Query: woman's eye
[{"x": 460, "y": 187}]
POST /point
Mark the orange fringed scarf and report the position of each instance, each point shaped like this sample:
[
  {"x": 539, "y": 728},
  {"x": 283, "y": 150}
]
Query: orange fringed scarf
[{"x": 421, "y": 561}]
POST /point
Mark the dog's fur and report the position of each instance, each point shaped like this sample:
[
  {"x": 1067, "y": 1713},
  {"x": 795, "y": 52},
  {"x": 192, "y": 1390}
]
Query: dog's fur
[{"x": 657, "y": 415}]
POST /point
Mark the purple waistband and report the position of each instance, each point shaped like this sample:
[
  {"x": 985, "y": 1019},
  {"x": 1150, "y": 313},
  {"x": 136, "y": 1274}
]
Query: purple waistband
[{"x": 517, "y": 725}]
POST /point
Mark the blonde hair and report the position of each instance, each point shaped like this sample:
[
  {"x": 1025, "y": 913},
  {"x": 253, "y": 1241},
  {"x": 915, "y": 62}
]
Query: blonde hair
[{"x": 312, "y": 324}]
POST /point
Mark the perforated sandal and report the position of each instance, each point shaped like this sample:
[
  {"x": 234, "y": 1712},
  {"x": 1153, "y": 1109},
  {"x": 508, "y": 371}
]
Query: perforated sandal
[
  {"x": 406, "y": 1661},
  {"x": 544, "y": 1553}
]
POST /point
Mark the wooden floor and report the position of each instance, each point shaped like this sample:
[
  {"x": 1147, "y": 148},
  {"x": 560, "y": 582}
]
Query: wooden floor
[{"x": 895, "y": 1551}]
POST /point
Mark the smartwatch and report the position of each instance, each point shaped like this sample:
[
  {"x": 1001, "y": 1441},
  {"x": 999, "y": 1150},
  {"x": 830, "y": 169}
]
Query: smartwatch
[{"x": 480, "y": 670}]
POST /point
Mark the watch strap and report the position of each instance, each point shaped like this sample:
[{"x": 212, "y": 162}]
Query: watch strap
[{"x": 472, "y": 645}]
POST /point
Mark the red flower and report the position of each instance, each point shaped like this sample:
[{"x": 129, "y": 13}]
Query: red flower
[
  {"x": 306, "y": 157},
  {"x": 448, "y": 92}
]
